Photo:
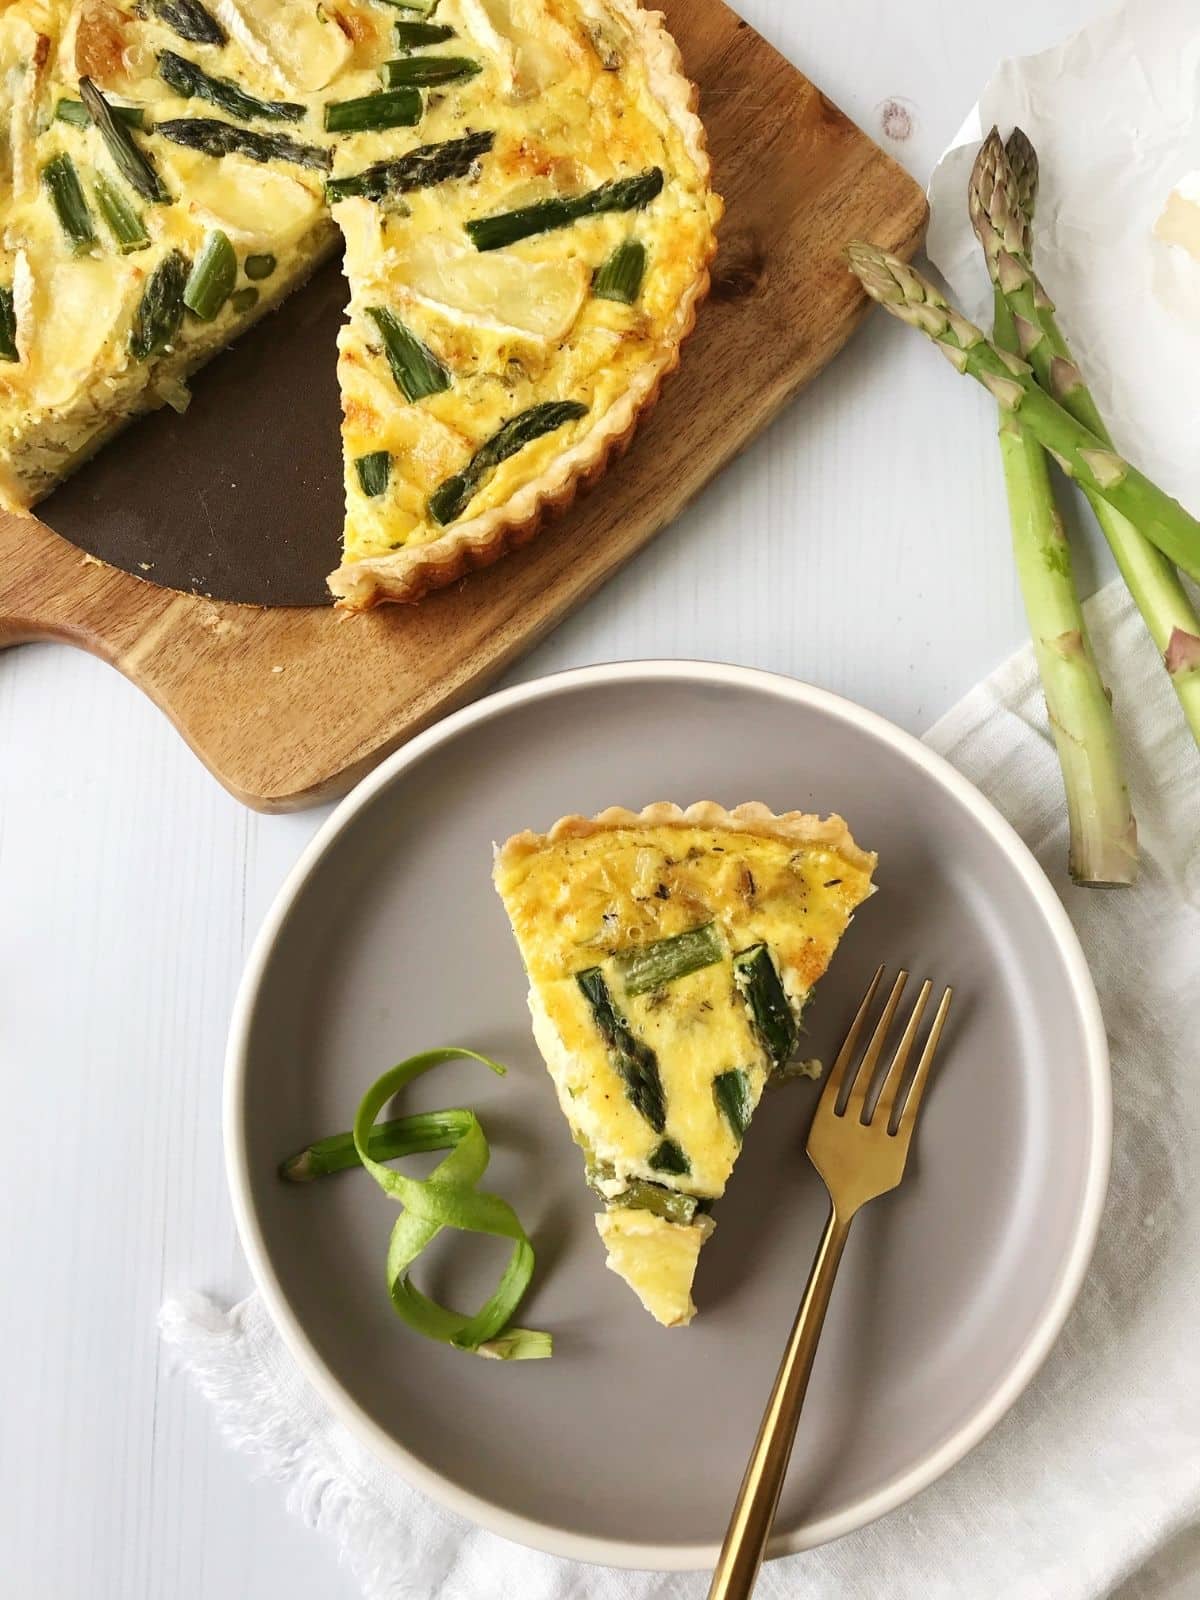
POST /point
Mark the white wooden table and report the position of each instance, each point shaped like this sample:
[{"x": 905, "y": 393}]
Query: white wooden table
[{"x": 861, "y": 544}]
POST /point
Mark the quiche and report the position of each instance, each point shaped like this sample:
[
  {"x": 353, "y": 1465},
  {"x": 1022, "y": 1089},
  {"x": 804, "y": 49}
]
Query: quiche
[
  {"x": 671, "y": 955},
  {"x": 522, "y": 189}
]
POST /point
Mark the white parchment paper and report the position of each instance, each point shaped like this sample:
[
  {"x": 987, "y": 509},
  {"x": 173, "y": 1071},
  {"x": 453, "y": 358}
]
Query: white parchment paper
[{"x": 1115, "y": 115}]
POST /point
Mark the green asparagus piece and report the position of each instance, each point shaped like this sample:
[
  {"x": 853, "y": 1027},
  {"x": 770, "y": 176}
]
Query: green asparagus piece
[
  {"x": 258, "y": 267},
  {"x": 650, "y": 966},
  {"x": 76, "y": 113},
  {"x": 160, "y": 312},
  {"x": 902, "y": 291},
  {"x": 212, "y": 278},
  {"x": 1001, "y": 203},
  {"x": 620, "y": 277},
  {"x": 217, "y": 138},
  {"x": 452, "y": 498},
  {"x": 8, "y": 325},
  {"x": 756, "y": 977},
  {"x": 401, "y": 1136},
  {"x": 420, "y": 169},
  {"x": 1102, "y": 833},
  {"x": 422, "y": 8},
  {"x": 373, "y": 472},
  {"x": 634, "y": 1061},
  {"x": 666, "y": 1203},
  {"x": 669, "y": 1157},
  {"x": 190, "y": 20},
  {"x": 731, "y": 1090},
  {"x": 133, "y": 164},
  {"x": 61, "y": 183},
  {"x": 395, "y": 108},
  {"x": 622, "y": 194},
  {"x": 190, "y": 81},
  {"x": 416, "y": 369},
  {"x": 124, "y": 223},
  {"x": 415, "y": 35},
  {"x": 419, "y": 72},
  {"x": 243, "y": 299}
]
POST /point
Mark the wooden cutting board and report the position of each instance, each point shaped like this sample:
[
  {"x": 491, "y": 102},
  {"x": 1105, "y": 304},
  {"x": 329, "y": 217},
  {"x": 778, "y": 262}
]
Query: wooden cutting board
[{"x": 290, "y": 705}]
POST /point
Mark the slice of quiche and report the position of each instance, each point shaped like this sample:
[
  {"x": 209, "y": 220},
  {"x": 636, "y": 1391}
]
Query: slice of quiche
[
  {"x": 524, "y": 193},
  {"x": 670, "y": 957}
]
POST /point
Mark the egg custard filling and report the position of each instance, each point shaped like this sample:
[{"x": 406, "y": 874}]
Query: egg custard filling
[
  {"x": 670, "y": 957},
  {"x": 522, "y": 188}
]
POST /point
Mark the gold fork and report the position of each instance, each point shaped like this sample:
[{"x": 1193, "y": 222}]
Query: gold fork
[{"x": 860, "y": 1150}]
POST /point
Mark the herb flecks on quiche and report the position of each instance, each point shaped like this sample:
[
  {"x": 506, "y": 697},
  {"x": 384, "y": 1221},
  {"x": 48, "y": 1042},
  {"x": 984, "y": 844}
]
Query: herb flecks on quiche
[
  {"x": 670, "y": 957},
  {"x": 523, "y": 191}
]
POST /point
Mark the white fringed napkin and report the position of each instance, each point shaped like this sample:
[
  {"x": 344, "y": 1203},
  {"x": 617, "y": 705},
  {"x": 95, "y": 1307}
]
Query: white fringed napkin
[{"x": 1094, "y": 1478}]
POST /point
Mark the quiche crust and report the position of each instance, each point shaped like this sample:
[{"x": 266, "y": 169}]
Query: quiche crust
[{"x": 407, "y": 574}]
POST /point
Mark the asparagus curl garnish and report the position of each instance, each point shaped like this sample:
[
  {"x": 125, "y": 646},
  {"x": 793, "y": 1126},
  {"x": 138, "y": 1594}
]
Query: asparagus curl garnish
[
  {"x": 1002, "y": 196},
  {"x": 902, "y": 291}
]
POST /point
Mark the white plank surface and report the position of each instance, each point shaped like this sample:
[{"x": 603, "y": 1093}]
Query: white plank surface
[{"x": 861, "y": 544}]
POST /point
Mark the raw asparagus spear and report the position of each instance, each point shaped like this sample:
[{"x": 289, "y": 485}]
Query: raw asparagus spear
[
  {"x": 652, "y": 965},
  {"x": 635, "y": 1062},
  {"x": 133, "y": 164},
  {"x": 902, "y": 291},
  {"x": 188, "y": 80},
  {"x": 420, "y": 169},
  {"x": 1001, "y": 204},
  {"x": 452, "y": 498},
  {"x": 1102, "y": 832},
  {"x": 622, "y": 194}
]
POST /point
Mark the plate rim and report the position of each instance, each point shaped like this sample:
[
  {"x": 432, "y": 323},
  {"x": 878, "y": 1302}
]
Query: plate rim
[{"x": 635, "y": 1554}]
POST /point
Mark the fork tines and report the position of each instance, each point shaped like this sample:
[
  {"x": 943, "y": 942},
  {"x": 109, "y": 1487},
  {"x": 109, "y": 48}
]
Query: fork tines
[{"x": 848, "y": 1089}]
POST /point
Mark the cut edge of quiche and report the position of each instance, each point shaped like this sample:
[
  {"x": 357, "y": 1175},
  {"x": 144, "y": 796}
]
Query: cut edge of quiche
[
  {"x": 670, "y": 955},
  {"x": 408, "y": 574}
]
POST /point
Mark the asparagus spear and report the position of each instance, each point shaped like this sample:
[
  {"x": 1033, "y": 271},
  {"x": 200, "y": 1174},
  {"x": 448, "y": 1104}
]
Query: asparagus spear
[
  {"x": 902, "y": 291},
  {"x": 620, "y": 277},
  {"x": 416, "y": 369},
  {"x": 418, "y": 72},
  {"x": 8, "y": 325},
  {"x": 390, "y": 108},
  {"x": 373, "y": 471},
  {"x": 213, "y": 277},
  {"x": 259, "y": 266},
  {"x": 666, "y": 1203},
  {"x": 1001, "y": 204},
  {"x": 190, "y": 21},
  {"x": 621, "y": 194},
  {"x": 76, "y": 113},
  {"x": 634, "y": 1061},
  {"x": 669, "y": 1157},
  {"x": 160, "y": 311},
  {"x": 413, "y": 35},
  {"x": 124, "y": 223},
  {"x": 652, "y": 965},
  {"x": 450, "y": 499},
  {"x": 133, "y": 164},
  {"x": 217, "y": 138},
  {"x": 1102, "y": 832},
  {"x": 419, "y": 169},
  {"x": 61, "y": 183},
  {"x": 192, "y": 83},
  {"x": 755, "y": 975},
  {"x": 731, "y": 1090}
]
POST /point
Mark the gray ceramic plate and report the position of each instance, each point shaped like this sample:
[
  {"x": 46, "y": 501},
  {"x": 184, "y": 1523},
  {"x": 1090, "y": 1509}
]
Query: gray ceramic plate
[{"x": 627, "y": 1447}]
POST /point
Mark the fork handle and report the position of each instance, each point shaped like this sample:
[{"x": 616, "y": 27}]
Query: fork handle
[{"x": 754, "y": 1512}]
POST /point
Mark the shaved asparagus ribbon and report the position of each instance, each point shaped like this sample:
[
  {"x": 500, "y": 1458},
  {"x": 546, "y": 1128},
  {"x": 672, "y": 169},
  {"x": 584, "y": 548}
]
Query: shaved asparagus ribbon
[{"x": 447, "y": 1198}]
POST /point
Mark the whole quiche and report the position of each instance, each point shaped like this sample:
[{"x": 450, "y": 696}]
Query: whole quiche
[{"x": 522, "y": 188}]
